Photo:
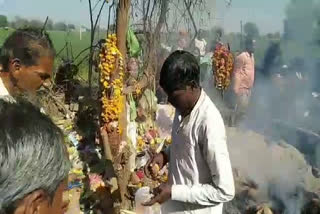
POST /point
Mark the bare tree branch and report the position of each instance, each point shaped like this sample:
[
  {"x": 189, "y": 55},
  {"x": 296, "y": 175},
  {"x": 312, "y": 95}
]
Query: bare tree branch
[
  {"x": 93, "y": 27},
  {"x": 188, "y": 7},
  {"x": 98, "y": 16},
  {"x": 109, "y": 15},
  {"x": 91, "y": 49}
]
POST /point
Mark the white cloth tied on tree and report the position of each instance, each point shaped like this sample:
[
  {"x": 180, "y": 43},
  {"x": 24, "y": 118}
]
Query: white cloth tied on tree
[{"x": 201, "y": 45}]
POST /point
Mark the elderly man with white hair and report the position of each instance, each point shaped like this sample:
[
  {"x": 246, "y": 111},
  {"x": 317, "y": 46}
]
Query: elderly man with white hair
[{"x": 34, "y": 164}]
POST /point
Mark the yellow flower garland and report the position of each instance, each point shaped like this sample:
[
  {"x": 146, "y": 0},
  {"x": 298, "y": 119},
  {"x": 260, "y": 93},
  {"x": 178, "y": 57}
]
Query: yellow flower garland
[{"x": 111, "y": 66}]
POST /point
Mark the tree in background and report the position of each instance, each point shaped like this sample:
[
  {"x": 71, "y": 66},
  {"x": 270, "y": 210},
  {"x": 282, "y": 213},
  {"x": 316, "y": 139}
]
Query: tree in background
[
  {"x": 61, "y": 26},
  {"x": 71, "y": 27},
  {"x": 251, "y": 30},
  {"x": 35, "y": 23},
  {"x": 20, "y": 22},
  {"x": 216, "y": 33},
  {"x": 49, "y": 25},
  {"x": 12, "y": 24},
  {"x": 3, "y": 21}
]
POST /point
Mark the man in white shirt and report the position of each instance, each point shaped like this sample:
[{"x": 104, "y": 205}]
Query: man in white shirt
[{"x": 200, "y": 172}]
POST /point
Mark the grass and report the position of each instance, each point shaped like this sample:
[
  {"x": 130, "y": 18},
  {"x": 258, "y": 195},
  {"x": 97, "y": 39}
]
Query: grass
[
  {"x": 59, "y": 39},
  {"x": 4, "y": 34}
]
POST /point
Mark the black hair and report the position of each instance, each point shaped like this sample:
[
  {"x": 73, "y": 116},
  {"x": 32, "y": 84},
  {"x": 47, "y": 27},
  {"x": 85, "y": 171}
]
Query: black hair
[
  {"x": 28, "y": 45},
  {"x": 32, "y": 154},
  {"x": 180, "y": 69}
]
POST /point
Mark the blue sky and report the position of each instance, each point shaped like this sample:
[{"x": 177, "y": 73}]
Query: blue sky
[{"x": 268, "y": 14}]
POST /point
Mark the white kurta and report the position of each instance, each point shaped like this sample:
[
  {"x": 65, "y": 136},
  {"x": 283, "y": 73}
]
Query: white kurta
[
  {"x": 4, "y": 94},
  {"x": 3, "y": 89},
  {"x": 200, "y": 168}
]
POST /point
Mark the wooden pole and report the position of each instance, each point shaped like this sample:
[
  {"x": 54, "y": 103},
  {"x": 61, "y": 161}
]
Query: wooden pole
[{"x": 121, "y": 29}]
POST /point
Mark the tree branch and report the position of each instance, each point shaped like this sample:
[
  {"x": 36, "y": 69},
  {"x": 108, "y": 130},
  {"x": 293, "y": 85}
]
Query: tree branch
[
  {"x": 188, "y": 7},
  {"x": 91, "y": 49},
  {"x": 98, "y": 16},
  {"x": 109, "y": 15}
]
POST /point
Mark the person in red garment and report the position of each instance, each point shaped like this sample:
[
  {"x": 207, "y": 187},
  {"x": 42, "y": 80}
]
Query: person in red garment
[{"x": 243, "y": 80}]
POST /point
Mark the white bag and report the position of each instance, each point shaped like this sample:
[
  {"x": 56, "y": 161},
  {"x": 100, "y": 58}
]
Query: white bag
[{"x": 143, "y": 195}]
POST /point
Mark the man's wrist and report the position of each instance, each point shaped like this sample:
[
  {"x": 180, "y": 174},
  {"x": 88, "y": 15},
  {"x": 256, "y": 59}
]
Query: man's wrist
[{"x": 180, "y": 193}]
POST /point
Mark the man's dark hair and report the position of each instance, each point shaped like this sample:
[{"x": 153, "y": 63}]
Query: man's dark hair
[
  {"x": 28, "y": 45},
  {"x": 180, "y": 69},
  {"x": 32, "y": 154}
]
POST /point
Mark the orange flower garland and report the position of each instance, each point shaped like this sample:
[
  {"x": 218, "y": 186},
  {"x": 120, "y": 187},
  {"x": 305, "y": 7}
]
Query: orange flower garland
[
  {"x": 222, "y": 63},
  {"x": 111, "y": 66}
]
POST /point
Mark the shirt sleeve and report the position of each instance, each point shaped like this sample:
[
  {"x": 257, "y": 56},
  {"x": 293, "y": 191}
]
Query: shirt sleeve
[{"x": 215, "y": 152}]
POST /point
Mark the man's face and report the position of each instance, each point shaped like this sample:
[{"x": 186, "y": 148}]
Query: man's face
[
  {"x": 58, "y": 206},
  {"x": 38, "y": 202},
  {"x": 180, "y": 98},
  {"x": 31, "y": 78}
]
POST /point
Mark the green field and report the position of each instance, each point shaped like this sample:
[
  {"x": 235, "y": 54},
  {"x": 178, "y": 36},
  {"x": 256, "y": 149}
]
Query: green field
[
  {"x": 290, "y": 49},
  {"x": 59, "y": 39}
]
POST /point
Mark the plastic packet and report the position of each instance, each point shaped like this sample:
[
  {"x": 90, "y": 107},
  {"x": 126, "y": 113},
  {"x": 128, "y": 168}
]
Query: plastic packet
[{"x": 144, "y": 195}]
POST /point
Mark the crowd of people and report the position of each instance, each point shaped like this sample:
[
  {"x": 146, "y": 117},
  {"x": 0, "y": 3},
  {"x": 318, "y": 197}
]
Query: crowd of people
[
  {"x": 34, "y": 163},
  {"x": 33, "y": 160}
]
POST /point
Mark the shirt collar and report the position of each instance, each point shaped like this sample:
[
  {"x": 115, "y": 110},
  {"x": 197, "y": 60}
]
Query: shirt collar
[
  {"x": 196, "y": 107},
  {"x": 199, "y": 102},
  {"x": 190, "y": 117}
]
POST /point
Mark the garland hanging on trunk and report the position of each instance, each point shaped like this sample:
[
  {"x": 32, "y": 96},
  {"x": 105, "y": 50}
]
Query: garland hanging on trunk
[
  {"x": 112, "y": 74},
  {"x": 222, "y": 63}
]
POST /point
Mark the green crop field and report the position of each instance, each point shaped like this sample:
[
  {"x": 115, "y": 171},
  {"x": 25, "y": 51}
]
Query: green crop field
[{"x": 59, "y": 39}]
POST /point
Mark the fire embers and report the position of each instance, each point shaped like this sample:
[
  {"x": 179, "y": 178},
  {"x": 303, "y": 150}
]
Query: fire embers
[{"x": 222, "y": 65}]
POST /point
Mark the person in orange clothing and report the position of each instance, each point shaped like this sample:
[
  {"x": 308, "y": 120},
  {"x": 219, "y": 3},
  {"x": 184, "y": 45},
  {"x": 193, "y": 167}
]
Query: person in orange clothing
[{"x": 243, "y": 80}]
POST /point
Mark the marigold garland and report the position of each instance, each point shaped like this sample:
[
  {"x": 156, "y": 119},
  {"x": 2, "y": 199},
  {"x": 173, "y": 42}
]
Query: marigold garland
[
  {"x": 222, "y": 63},
  {"x": 112, "y": 73}
]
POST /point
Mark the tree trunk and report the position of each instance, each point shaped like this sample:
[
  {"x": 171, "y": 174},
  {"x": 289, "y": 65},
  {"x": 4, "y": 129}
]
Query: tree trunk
[
  {"x": 123, "y": 174},
  {"x": 122, "y": 25}
]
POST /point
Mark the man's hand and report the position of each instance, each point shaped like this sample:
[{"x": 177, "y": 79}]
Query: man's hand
[
  {"x": 159, "y": 159},
  {"x": 162, "y": 194}
]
